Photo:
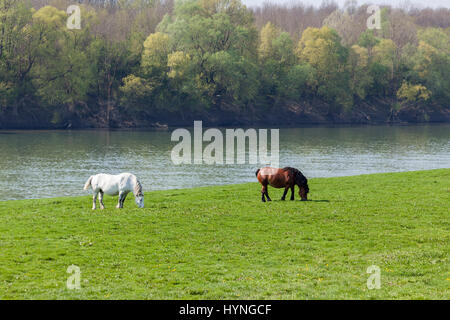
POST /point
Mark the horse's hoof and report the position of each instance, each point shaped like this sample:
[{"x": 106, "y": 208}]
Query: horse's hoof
[
  {"x": 269, "y": 199},
  {"x": 282, "y": 199}
]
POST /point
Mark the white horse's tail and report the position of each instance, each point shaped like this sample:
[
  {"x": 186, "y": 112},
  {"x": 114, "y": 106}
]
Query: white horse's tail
[{"x": 88, "y": 183}]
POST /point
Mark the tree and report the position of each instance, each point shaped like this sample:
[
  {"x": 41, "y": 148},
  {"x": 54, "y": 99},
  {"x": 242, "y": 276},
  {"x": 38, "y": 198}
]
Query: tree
[
  {"x": 322, "y": 49},
  {"x": 276, "y": 57},
  {"x": 136, "y": 92},
  {"x": 300, "y": 81},
  {"x": 112, "y": 62},
  {"x": 384, "y": 59},
  {"x": 413, "y": 93},
  {"x": 148, "y": 58},
  {"x": 220, "y": 39},
  {"x": 20, "y": 45},
  {"x": 62, "y": 72},
  {"x": 368, "y": 40},
  {"x": 154, "y": 57},
  {"x": 360, "y": 79},
  {"x": 432, "y": 63}
]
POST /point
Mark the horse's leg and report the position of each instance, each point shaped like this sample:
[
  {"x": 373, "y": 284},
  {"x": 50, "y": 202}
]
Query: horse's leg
[
  {"x": 267, "y": 194},
  {"x": 123, "y": 198},
  {"x": 100, "y": 199},
  {"x": 292, "y": 192},
  {"x": 263, "y": 191},
  {"x": 119, "y": 205},
  {"x": 284, "y": 193},
  {"x": 94, "y": 200}
]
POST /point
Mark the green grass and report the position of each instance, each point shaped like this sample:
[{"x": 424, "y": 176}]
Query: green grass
[{"x": 224, "y": 243}]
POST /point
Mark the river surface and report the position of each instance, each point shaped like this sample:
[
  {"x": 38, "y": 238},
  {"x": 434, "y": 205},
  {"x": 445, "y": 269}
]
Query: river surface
[{"x": 38, "y": 164}]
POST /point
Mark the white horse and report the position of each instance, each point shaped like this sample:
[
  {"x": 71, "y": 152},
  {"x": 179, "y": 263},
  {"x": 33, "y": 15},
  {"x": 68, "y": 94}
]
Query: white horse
[{"x": 114, "y": 185}]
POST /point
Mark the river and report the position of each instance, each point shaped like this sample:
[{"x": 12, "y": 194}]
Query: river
[{"x": 38, "y": 164}]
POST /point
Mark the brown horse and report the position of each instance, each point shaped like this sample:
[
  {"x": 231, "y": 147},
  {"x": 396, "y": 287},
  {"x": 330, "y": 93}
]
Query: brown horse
[{"x": 285, "y": 178}]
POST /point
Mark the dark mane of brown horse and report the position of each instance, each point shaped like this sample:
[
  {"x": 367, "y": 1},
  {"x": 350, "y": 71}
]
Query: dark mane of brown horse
[
  {"x": 291, "y": 170},
  {"x": 300, "y": 179}
]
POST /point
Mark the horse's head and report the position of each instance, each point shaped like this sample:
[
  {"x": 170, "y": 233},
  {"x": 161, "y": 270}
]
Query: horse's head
[
  {"x": 302, "y": 183},
  {"x": 138, "y": 194},
  {"x": 139, "y": 200}
]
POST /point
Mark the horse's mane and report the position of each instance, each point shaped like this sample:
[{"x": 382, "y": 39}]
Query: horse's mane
[
  {"x": 297, "y": 173},
  {"x": 291, "y": 170},
  {"x": 138, "y": 188}
]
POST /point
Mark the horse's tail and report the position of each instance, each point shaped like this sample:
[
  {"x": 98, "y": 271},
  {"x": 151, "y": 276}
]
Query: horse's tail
[
  {"x": 257, "y": 171},
  {"x": 88, "y": 183}
]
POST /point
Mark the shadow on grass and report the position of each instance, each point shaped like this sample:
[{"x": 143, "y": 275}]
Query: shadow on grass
[{"x": 279, "y": 200}]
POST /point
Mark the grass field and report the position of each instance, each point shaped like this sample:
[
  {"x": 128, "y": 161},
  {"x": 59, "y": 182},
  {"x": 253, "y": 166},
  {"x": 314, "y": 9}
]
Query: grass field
[{"x": 224, "y": 243}]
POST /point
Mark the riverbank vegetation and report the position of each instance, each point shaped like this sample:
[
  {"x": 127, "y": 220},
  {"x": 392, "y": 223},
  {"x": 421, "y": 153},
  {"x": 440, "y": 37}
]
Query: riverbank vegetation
[
  {"x": 223, "y": 243},
  {"x": 138, "y": 63}
]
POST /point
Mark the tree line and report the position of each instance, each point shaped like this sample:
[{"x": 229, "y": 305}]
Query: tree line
[{"x": 137, "y": 62}]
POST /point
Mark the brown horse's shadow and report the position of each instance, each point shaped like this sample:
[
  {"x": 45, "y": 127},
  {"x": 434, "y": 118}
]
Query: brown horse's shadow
[{"x": 279, "y": 200}]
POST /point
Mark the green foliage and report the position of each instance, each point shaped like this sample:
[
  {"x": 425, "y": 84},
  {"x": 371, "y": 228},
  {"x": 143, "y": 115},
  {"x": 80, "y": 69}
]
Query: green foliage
[
  {"x": 277, "y": 59},
  {"x": 276, "y": 45},
  {"x": 135, "y": 91},
  {"x": 384, "y": 53},
  {"x": 413, "y": 93},
  {"x": 154, "y": 56},
  {"x": 322, "y": 49},
  {"x": 204, "y": 52},
  {"x": 432, "y": 63},
  {"x": 299, "y": 81},
  {"x": 207, "y": 54},
  {"x": 63, "y": 74},
  {"x": 20, "y": 46},
  {"x": 360, "y": 79},
  {"x": 220, "y": 38},
  {"x": 380, "y": 75},
  {"x": 368, "y": 40}
]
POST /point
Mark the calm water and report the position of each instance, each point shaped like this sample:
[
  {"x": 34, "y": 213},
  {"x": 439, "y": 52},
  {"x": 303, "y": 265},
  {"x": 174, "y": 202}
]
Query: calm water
[{"x": 37, "y": 164}]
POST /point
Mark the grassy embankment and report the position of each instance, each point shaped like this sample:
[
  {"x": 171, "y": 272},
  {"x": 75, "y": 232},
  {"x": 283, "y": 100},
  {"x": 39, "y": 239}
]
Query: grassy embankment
[{"x": 222, "y": 242}]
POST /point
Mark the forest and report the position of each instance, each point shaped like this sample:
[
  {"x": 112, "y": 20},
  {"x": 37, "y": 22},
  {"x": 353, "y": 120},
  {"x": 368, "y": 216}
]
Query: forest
[{"x": 153, "y": 63}]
